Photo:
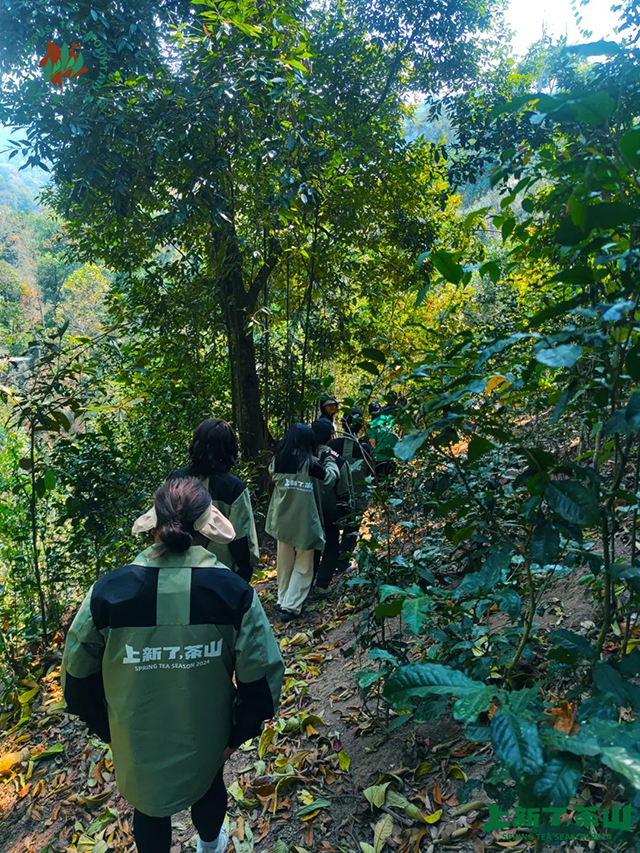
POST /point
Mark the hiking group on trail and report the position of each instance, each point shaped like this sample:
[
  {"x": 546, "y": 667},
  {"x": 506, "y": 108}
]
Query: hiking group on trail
[{"x": 171, "y": 659}]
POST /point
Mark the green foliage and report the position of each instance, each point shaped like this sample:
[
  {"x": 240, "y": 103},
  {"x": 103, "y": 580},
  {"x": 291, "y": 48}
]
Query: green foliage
[
  {"x": 515, "y": 501},
  {"x": 270, "y": 233}
]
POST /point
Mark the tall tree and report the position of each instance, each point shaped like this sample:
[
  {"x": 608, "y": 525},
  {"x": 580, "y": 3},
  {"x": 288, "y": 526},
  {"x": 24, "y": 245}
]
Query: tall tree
[{"x": 210, "y": 133}]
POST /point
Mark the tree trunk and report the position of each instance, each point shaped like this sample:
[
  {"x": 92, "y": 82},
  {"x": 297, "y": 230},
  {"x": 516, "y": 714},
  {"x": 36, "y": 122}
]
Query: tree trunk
[
  {"x": 245, "y": 388},
  {"x": 238, "y": 304}
]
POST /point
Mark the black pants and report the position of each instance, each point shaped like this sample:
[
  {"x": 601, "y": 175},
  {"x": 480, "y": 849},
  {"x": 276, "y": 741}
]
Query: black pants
[
  {"x": 325, "y": 562},
  {"x": 153, "y": 834},
  {"x": 348, "y": 541}
]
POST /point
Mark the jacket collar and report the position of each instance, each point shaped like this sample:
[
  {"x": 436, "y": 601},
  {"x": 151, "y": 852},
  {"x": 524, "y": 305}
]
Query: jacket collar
[{"x": 158, "y": 557}]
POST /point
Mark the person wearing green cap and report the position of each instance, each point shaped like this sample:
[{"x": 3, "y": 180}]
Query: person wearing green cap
[{"x": 172, "y": 660}]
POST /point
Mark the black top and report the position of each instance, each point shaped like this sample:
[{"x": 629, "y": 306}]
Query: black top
[
  {"x": 225, "y": 489},
  {"x": 362, "y": 449},
  {"x": 223, "y": 485},
  {"x": 316, "y": 469}
]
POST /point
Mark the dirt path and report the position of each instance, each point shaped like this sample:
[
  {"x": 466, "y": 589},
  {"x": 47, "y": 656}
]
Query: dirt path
[{"x": 299, "y": 789}]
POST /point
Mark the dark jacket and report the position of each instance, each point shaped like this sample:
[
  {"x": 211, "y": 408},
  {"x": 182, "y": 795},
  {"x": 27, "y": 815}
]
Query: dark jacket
[
  {"x": 172, "y": 659},
  {"x": 231, "y": 496}
]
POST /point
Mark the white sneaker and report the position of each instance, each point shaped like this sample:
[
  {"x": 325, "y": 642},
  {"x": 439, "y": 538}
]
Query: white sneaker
[{"x": 218, "y": 846}]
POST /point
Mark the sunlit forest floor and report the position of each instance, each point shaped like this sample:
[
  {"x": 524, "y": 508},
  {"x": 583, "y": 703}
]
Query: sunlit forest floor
[{"x": 300, "y": 788}]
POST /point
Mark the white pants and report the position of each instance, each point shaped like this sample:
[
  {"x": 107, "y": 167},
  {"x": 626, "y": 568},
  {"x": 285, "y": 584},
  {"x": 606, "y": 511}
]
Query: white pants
[{"x": 295, "y": 576}]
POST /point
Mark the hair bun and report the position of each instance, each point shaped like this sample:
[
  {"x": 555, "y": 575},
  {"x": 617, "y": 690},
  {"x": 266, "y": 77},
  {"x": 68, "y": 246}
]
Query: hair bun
[{"x": 175, "y": 537}]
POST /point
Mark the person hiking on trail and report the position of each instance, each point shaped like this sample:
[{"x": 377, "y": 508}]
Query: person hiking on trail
[
  {"x": 337, "y": 502},
  {"x": 294, "y": 517},
  {"x": 149, "y": 665},
  {"x": 359, "y": 456},
  {"x": 329, "y": 410},
  {"x": 213, "y": 452}
]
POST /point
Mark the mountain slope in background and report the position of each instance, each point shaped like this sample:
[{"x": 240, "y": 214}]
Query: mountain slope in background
[{"x": 19, "y": 188}]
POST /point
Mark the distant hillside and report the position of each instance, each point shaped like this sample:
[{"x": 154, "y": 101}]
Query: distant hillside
[{"x": 19, "y": 188}]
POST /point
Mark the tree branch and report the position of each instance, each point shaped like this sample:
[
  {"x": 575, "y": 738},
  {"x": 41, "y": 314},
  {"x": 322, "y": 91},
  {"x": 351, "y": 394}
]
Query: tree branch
[{"x": 262, "y": 276}]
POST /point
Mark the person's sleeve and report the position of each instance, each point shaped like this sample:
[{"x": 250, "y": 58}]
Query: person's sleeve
[
  {"x": 332, "y": 472},
  {"x": 345, "y": 486},
  {"x": 244, "y": 548},
  {"x": 82, "y": 672},
  {"x": 259, "y": 672}
]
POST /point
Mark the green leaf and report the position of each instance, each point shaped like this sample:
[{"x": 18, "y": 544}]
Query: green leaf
[
  {"x": 64, "y": 57},
  {"x": 518, "y": 701},
  {"x": 374, "y": 355},
  {"x": 367, "y": 677},
  {"x": 629, "y": 666},
  {"x": 426, "y": 679},
  {"x": 573, "y": 502},
  {"x": 447, "y": 266},
  {"x": 77, "y": 65},
  {"x": 468, "y": 708},
  {"x": 382, "y": 831},
  {"x": 559, "y": 780},
  {"x": 558, "y": 308},
  {"x": 497, "y": 560},
  {"x": 616, "y": 423},
  {"x": 369, "y": 366},
  {"x": 375, "y": 794},
  {"x": 56, "y": 749},
  {"x": 479, "y": 446},
  {"x": 517, "y": 743},
  {"x": 507, "y": 227},
  {"x": 388, "y": 590},
  {"x": 584, "y": 743},
  {"x": 509, "y": 602},
  {"x": 49, "y": 480},
  {"x": 389, "y": 609},
  {"x": 632, "y": 361},
  {"x": 492, "y": 269},
  {"x": 608, "y": 680},
  {"x": 574, "y": 645},
  {"x": 611, "y": 214},
  {"x": 23, "y": 698},
  {"x": 383, "y": 654},
  {"x": 344, "y": 760},
  {"x": 573, "y": 275},
  {"x": 266, "y": 737},
  {"x": 563, "y": 401},
  {"x": 630, "y": 147},
  {"x": 421, "y": 295},
  {"x": 565, "y": 355},
  {"x": 627, "y": 764},
  {"x": 545, "y": 543},
  {"x": 410, "y": 444},
  {"x": 313, "y": 807},
  {"x": 632, "y": 412},
  {"x": 415, "y": 611}
]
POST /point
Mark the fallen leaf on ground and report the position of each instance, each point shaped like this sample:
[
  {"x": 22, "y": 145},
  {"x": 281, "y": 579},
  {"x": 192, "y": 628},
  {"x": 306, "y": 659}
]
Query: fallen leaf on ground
[{"x": 383, "y": 830}]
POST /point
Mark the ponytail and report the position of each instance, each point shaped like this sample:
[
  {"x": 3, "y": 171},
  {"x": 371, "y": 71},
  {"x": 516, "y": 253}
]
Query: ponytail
[
  {"x": 178, "y": 504},
  {"x": 174, "y": 537}
]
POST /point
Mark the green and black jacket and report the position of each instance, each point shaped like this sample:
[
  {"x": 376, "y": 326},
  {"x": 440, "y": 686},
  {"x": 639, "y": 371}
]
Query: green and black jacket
[
  {"x": 295, "y": 510},
  {"x": 230, "y": 495},
  {"x": 338, "y": 498},
  {"x": 149, "y": 665}
]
